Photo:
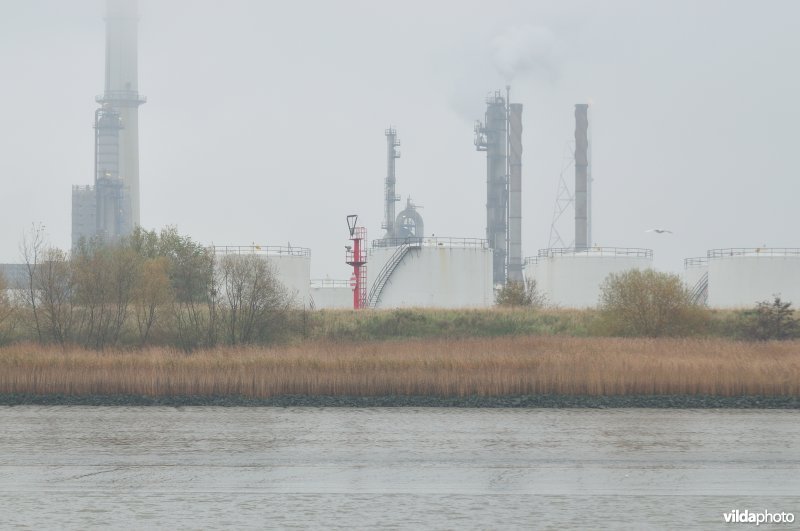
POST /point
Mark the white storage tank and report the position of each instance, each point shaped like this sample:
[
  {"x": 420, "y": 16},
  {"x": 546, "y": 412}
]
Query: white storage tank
[
  {"x": 571, "y": 278},
  {"x": 695, "y": 277},
  {"x": 430, "y": 273},
  {"x": 739, "y": 278},
  {"x": 331, "y": 294},
  {"x": 292, "y": 266}
]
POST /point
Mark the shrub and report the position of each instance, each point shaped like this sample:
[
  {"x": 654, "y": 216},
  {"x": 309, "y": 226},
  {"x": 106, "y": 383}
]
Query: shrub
[
  {"x": 648, "y": 303},
  {"x": 514, "y": 294},
  {"x": 770, "y": 320}
]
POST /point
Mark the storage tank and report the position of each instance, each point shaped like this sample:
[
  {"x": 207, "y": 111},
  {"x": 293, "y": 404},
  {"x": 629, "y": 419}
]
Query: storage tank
[
  {"x": 571, "y": 278},
  {"x": 430, "y": 273},
  {"x": 741, "y": 277},
  {"x": 695, "y": 277},
  {"x": 292, "y": 266},
  {"x": 331, "y": 294}
]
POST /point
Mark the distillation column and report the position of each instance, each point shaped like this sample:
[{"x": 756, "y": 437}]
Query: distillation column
[
  {"x": 583, "y": 218},
  {"x": 515, "y": 192},
  {"x": 492, "y": 137},
  {"x": 121, "y": 94},
  {"x": 392, "y": 154},
  {"x": 112, "y": 219}
]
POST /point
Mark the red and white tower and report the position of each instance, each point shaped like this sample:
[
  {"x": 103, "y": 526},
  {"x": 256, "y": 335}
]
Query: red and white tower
[{"x": 356, "y": 256}]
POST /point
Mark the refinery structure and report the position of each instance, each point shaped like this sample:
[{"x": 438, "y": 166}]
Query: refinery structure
[
  {"x": 403, "y": 266},
  {"x": 108, "y": 209},
  {"x": 571, "y": 277}
]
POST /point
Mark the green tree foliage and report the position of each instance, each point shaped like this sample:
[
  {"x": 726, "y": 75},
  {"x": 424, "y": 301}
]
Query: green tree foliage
[
  {"x": 152, "y": 296},
  {"x": 516, "y": 294},
  {"x": 770, "y": 320},
  {"x": 106, "y": 276},
  {"x": 649, "y": 303},
  {"x": 190, "y": 269}
]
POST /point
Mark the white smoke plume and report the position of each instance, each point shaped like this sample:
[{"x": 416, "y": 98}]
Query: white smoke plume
[{"x": 525, "y": 50}]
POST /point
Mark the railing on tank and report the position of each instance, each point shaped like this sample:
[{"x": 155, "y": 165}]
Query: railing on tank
[
  {"x": 330, "y": 283},
  {"x": 264, "y": 250},
  {"x": 695, "y": 261},
  {"x": 530, "y": 260},
  {"x": 434, "y": 241},
  {"x": 120, "y": 95},
  {"x": 753, "y": 251},
  {"x": 596, "y": 251}
]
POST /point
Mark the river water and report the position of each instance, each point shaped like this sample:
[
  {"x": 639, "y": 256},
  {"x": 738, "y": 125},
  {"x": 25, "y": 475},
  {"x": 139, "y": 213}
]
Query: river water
[{"x": 232, "y": 468}]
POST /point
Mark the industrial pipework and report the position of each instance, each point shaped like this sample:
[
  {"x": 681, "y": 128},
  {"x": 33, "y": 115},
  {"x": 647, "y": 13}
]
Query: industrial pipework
[
  {"x": 583, "y": 179},
  {"x": 112, "y": 217},
  {"x": 500, "y": 136},
  {"x": 390, "y": 198},
  {"x": 110, "y": 208}
]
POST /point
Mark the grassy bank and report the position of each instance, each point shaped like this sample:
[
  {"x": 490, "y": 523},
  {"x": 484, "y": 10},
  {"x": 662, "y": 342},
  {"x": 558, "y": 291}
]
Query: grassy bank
[{"x": 505, "y": 366}]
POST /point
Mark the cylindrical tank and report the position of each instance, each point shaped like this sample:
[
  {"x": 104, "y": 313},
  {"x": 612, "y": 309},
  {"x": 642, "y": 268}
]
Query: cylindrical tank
[
  {"x": 572, "y": 278},
  {"x": 739, "y": 278},
  {"x": 292, "y": 266},
  {"x": 331, "y": 294},
  {"x": 436, "y": 273}
]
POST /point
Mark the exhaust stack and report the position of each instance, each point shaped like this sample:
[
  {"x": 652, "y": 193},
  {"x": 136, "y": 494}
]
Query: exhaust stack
[
  {"x": 515, "y": 192},
  {"x": 583, "y": 179}
]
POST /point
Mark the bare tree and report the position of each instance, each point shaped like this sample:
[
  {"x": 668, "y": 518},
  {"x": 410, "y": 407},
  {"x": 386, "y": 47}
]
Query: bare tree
[
  {"x": 31, "y": 249},
  {"x": 6, "y": 311},
  {"x": 252, "y": 298},
  {"x": 53, "y": 281}
]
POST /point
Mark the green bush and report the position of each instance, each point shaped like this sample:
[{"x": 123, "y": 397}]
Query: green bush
[
  {"x": 769, "y": 320},
  {"x": 514, "y": 294},
  {"x": 648, "y": 303}
]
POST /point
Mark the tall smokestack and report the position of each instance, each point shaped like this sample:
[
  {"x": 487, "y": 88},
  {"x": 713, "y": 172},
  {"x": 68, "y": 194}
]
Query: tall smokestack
[
  {"x": 122, "y": 96},
  {"x": 492, "y": 138},
  {"x": 390, "y": 198},
  {"x": 515, "y": 192},
  {"x": 583, "y": 211}
]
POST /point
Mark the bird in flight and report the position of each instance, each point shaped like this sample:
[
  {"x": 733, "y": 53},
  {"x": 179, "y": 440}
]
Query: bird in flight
[{"x": 659, "y": 231}]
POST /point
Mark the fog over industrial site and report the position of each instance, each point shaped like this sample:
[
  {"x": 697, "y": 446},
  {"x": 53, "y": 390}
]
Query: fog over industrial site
[{"x": 264, "y": 122}]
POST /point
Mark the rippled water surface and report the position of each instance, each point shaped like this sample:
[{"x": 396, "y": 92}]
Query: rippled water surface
[{"x": 207, "y": 467}]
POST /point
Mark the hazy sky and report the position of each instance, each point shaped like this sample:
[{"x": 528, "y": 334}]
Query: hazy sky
[{"x": 265, "y": 120}]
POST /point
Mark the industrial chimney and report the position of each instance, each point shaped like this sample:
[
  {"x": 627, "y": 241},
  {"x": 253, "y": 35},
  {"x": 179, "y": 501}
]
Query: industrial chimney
[
  {"x": 110, "y": 208},
  {"x": 583, "y": 179},
  {"x": 514, "y": 191}
]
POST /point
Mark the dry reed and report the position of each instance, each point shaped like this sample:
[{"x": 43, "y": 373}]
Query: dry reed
[{"x": 439, "y": 367}]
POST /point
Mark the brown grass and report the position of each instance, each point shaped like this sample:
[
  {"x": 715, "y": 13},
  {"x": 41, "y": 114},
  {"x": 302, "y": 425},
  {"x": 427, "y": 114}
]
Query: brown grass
[{"x": 486, "y": 367}]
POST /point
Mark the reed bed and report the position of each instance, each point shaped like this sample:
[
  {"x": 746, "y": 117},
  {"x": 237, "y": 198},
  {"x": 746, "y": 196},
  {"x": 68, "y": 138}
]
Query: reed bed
[{"x": 435, "y": 367}]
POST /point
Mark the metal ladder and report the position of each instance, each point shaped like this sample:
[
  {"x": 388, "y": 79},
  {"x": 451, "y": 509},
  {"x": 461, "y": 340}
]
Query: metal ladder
[
  {"x": 699, "y": 293},
  {"x": 383, "y": 277}
]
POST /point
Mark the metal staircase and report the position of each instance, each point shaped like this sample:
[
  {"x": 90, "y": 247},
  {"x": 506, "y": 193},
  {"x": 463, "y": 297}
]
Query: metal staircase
[
  {"x": 699, "y": 293},
  {"x": 386, "y": 272}
]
